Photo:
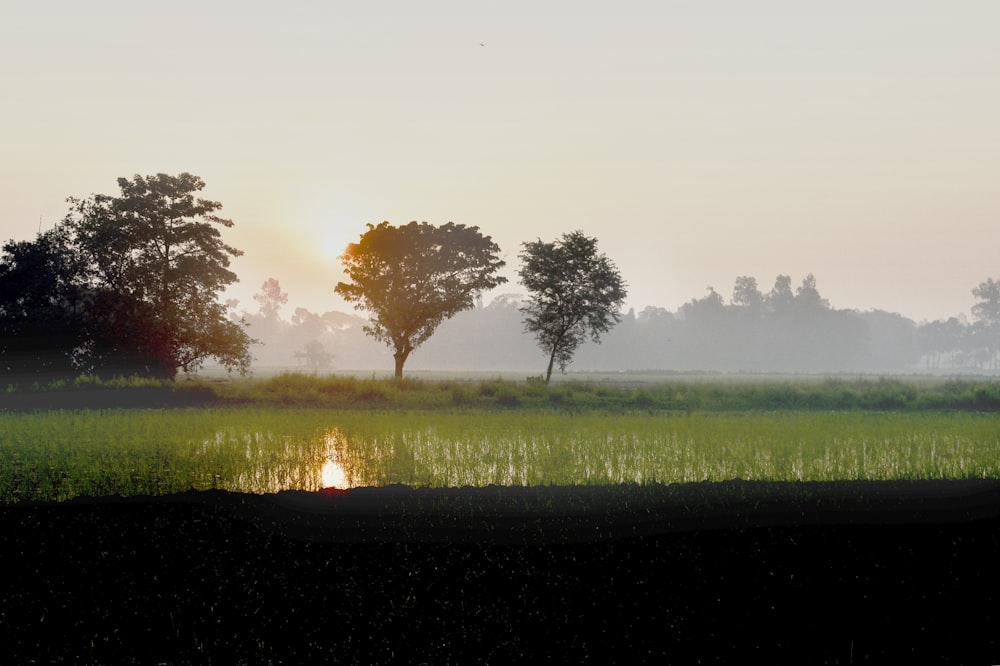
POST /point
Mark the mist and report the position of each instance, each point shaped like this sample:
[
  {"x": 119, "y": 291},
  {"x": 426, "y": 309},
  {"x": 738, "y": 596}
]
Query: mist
[{"x": 787, "y": 328}]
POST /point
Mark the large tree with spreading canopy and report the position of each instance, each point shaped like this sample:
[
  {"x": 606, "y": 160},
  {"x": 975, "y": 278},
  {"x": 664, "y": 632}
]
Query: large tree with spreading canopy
[
  {"x": 413, "y": 277},
  {"x": 141, "y": 291}
]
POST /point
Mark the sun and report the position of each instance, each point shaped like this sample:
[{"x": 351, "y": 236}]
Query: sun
[
  {"x": 325, "y": 229},
  {"x": 333, "y": 248}
]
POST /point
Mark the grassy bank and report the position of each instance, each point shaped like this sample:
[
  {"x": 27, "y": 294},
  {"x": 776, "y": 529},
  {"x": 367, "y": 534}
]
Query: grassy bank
[{"x": 680, "y": 394}]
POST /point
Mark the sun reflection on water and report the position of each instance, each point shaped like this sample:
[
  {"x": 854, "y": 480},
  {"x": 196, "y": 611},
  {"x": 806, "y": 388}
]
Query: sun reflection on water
[
  {"x": 333, "y": 475},
  {"x": 265, "y": 462}
]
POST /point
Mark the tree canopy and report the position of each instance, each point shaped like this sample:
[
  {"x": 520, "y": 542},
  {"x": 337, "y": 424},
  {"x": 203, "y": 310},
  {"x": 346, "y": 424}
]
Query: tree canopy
[
  {"x": 574, "y": 292},
  {"x": 42, "y": 307},
  {"x": 131, "y": 280},
  {"x": 413, "y": 277},
  {"x": 270, "y": 299},
  {"x": 988, "y": 308}
]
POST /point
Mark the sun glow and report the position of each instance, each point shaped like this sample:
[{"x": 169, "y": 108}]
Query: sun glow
[{"x": 333, "y": 248}]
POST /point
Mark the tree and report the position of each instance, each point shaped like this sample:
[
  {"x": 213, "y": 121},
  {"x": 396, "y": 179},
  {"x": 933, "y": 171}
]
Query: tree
[
  {"x": 781, "y": 298},
  {"x": 573, "y": 291},
  {"x": 270, "y": 299},
  {"x": 746, "y": 294},
  {"x": 807, "y": 296},
  {"x": 987, "y": 316},
  {"x": 42, "y": 307},
  {"x": 988, "y": 309},
  {"x": 413, "y": 277},
  {"x": 314, "y": 355},
  {"x": 711, "y": 308},
  {"x": 142, "y": 286}
]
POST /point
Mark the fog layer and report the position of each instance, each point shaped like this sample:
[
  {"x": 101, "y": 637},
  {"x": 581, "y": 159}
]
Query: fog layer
[{"x": 783, "y": 330}]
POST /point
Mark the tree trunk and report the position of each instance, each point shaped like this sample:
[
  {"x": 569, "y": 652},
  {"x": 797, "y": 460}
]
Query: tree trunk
[
  {"x": 400, "y": 356},
  {"x": 552, "y": 359}
]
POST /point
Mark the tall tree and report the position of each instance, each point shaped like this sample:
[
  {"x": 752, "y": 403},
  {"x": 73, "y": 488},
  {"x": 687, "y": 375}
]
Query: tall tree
[
  {"x": 573, "y": 292},
  {"x": 987, "y": 315},
  {"x": 807, "y": 296},
  {"x": 781, "y": 297},
  {"x": 746, "y": 294},
  {"x": 149, "y": 265},
  {"x": 413, "y": 277},
  {"x": 988, "y": 308},
  {"x": 270, "y": 299}
]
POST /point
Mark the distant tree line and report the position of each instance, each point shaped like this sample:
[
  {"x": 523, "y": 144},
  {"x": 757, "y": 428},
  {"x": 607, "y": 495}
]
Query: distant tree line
[
  {"x": 785, "y": 329},
  {"x": 955, "y": 343}
]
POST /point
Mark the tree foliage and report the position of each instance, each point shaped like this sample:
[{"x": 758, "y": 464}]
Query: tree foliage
[
  {"x": 574, "y": 292},
  {"x": 314, "y": 355},
  {"x": 986, "y": 330},
  {"x": 43, "y": 311},
  {"x": 988, "y": 308},
  {"x": 134, "y": 278},
  {"x": 413, "y": 277},
  {"x": 747, "y": 295},
  {"x": 270, "y": 299}
]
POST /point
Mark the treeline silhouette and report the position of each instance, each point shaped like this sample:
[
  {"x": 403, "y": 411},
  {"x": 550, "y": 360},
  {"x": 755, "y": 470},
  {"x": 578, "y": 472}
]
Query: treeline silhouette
[{"x": 785, "y": 330}]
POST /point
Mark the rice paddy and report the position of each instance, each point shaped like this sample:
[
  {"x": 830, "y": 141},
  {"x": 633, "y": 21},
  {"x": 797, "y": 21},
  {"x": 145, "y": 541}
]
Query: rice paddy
[{"x": 61, "y": 454}]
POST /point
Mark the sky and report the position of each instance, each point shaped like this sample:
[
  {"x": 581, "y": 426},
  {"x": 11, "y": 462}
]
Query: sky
[{"x": 696, "y": 140}]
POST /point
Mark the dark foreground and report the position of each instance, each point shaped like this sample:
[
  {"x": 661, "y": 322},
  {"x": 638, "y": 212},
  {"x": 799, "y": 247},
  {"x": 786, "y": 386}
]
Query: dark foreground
[{"x": 722, "y": 573}]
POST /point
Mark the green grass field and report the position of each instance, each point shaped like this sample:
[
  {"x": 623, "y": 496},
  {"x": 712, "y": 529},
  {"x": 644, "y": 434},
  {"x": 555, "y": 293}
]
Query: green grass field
[{"x": 60, "y": 454}]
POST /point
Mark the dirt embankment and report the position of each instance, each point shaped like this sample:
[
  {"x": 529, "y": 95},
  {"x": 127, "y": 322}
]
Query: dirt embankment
[{"x": 791, "y": 573}]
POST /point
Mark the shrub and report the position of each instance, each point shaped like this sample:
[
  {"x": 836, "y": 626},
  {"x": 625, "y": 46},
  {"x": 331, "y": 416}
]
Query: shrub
[
  {"x": 460, "y": 396},
  {"x": 508, "y": 399}
]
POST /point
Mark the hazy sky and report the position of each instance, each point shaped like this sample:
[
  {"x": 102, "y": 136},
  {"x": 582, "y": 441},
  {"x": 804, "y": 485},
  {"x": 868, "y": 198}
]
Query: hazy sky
[{"x": 698, "y": 140}]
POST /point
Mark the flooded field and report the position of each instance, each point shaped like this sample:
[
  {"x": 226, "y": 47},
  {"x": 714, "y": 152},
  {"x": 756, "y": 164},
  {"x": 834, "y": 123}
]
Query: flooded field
[{"x": 64, "y": 454}]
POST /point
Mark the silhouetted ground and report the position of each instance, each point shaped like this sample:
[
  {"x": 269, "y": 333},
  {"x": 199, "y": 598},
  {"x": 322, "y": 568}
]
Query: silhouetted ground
[{"x": 734, "y": 572}]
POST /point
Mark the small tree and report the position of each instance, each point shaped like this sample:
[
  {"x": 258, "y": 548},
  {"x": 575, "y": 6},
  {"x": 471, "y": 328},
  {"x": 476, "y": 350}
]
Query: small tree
[
  {"x": 314, "y": 355},
  {"x": 413, "y": 277},
  {"x": 574, "y": 292}
]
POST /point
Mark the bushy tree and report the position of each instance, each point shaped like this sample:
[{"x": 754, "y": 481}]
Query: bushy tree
[
  {"x": 144, "y": 280},
  {"x": 43, "y": 307},
  {"x": 314, "y": 355},
  {"x": 413, "y": 277},
  {"x": 746, "y": 295},
  {"x": 574, "y": 292}
]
